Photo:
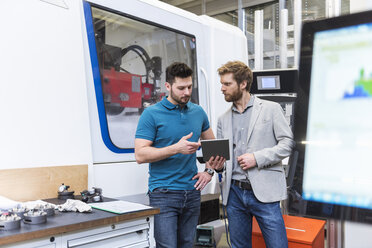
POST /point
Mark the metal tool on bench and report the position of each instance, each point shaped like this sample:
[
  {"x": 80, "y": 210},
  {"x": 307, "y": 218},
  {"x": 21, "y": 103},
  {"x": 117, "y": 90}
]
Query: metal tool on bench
[
  {"x": 9, "y": 221},
  {"x": 92, "y": 195},
  {"x": 35, "y": 217},
  {"x": 48, "y": 208},
  {"x": 20, "y": 211},
  {"x": 64, "y": 194}
]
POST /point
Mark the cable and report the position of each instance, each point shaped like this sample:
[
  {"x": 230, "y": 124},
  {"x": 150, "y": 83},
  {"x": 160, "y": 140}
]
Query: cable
[
  {"x": 224, "y": 210},
  {"x": 143, "y": 56},
  {"x": 121, "y": 68}
]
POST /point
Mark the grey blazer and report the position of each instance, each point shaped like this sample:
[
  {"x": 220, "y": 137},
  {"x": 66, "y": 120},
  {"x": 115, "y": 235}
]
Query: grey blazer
[{"x": 270, "y": 139}]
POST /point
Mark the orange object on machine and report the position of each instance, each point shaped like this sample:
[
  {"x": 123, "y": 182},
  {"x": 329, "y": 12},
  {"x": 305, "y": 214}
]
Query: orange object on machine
[{"x": 301, "y": 232}]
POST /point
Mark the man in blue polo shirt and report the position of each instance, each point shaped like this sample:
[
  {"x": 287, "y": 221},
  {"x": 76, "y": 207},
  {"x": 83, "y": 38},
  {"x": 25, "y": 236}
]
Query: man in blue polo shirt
[{"x": 167, "y": 137}]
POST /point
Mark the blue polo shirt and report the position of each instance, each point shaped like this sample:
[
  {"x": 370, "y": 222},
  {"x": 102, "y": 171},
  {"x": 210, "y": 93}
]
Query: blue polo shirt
[{"x": 165, "y": 124}]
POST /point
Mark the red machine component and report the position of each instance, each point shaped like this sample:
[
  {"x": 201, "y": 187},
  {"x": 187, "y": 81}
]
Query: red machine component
[
  {"x": 123, "y": 89},
  {"x": 147, "y": 89}
]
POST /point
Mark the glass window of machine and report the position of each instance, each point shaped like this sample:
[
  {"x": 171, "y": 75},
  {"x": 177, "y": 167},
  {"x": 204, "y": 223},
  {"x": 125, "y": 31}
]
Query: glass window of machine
[{"x": 132, "y": 56}]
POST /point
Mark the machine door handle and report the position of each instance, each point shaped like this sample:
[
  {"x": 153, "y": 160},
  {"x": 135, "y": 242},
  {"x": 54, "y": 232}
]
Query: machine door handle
[{"x": 204, "y": 72}]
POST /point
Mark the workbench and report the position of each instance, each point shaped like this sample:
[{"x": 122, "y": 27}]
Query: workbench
[{"x": 95, "y": 229}]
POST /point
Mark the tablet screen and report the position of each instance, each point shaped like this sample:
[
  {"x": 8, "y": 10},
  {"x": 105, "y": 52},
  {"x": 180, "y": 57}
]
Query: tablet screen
[{"x": 216, "y": 147}]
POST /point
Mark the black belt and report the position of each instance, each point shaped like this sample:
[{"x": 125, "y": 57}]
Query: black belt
[{"x": 242, "y": 185}]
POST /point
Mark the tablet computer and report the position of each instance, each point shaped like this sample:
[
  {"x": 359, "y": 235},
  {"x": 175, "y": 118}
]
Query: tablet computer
[{"x": 215, "y": 147}]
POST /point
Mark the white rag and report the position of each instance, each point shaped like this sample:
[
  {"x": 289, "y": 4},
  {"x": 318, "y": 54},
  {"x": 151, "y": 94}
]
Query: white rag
[{"x": 75, "y": 206}]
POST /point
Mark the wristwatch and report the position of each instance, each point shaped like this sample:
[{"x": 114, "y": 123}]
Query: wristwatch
[
  {"x": 209, "y": 171},
  {"x": 221, "y": 170}
]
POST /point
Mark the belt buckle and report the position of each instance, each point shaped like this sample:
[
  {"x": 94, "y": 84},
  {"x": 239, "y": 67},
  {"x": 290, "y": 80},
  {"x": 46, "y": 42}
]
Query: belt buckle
[
  {"x": 240, "y": 184},
  {"x": 243, "y": 185}
]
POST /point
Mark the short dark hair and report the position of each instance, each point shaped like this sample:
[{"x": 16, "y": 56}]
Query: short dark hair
[
  {"x": 241, "y": 72},
  {"x": 177, "y": 69}
]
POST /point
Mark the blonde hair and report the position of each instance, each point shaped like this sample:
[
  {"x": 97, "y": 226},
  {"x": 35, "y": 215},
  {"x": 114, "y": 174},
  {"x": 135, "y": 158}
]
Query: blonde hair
[{"x": 241, "y": 72}]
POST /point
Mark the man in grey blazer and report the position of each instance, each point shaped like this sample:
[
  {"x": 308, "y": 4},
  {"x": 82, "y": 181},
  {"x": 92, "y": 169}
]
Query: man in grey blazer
[{"x": 254, "y": 179}]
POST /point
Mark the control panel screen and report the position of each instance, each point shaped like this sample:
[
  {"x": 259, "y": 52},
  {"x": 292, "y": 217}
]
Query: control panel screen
[{"x": 268, "y": 82}]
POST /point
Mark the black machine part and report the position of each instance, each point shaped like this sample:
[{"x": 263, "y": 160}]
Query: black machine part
[
  {"x": 151, "y": 64},
  {"x": 204, "y": 236},
  {"x": 93, "y": 195},
  {"x": 66, "y": 195}
]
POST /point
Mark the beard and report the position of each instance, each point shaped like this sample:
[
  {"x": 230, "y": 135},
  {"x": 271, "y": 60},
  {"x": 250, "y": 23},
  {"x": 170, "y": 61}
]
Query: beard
[
  {"x": 180, "y": 100},
  {"x": 234, "y": 96}
]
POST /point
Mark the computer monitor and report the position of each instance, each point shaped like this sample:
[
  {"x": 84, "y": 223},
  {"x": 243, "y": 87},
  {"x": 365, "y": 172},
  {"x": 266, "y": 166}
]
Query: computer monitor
[{"x": 333, "y": 124}]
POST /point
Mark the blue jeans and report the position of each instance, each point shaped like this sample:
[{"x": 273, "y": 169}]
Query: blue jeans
[
  {"x": 175, "y": 225},
  {"x": 241, "y": 206}
]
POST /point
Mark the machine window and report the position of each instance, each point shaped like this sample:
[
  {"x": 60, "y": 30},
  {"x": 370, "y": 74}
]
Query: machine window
[{"x": 132, "y": 56}]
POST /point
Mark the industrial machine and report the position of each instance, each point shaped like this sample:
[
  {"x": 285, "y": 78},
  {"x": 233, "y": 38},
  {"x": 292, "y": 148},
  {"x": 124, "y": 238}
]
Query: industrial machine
[{"x": 277, "y": 86}]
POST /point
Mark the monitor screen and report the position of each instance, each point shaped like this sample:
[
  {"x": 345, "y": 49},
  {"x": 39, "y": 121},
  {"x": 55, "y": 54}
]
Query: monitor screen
[
  {"x": 334, "y": 139},
  {"x": 268, "y": 82}
]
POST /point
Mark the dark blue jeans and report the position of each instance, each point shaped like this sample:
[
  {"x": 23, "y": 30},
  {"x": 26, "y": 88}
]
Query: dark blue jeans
[
  {"x": 175, "y": 225},
  {"x": 241, "y": 206}
]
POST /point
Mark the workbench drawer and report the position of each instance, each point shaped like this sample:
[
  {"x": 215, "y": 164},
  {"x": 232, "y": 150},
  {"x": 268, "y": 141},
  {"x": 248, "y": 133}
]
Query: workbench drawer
[
  {"x": 132, "y": 234},
  {"x": 49, "y": 242}
]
